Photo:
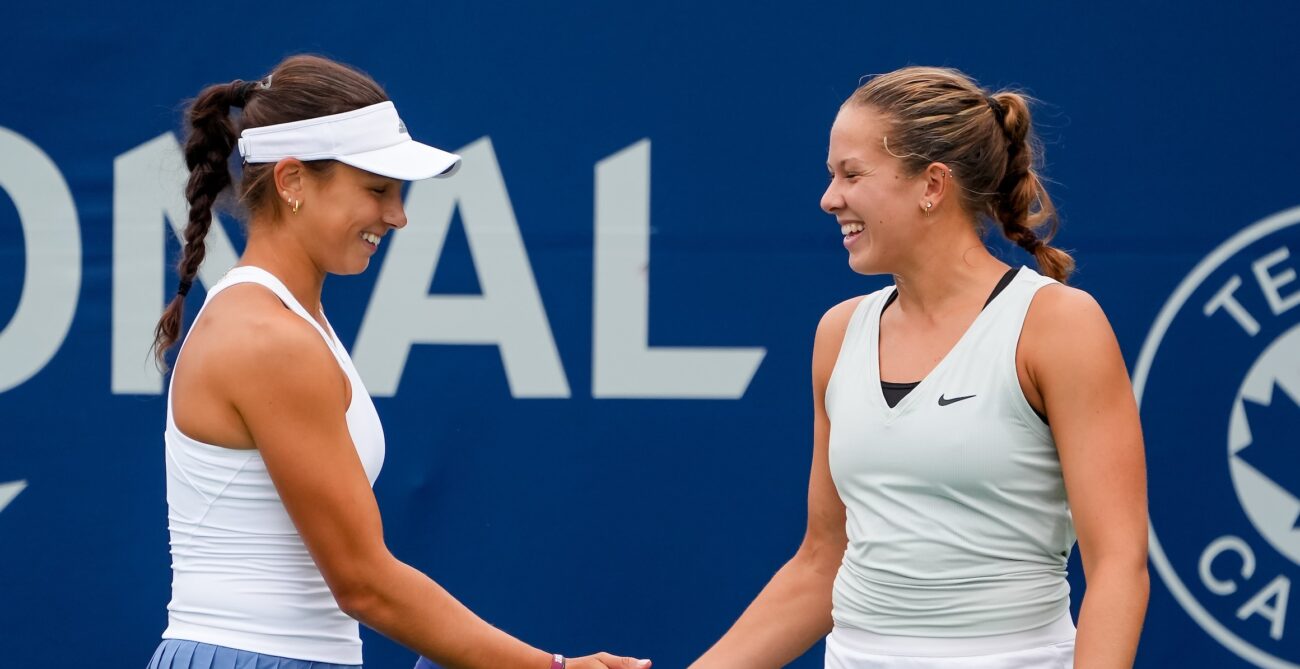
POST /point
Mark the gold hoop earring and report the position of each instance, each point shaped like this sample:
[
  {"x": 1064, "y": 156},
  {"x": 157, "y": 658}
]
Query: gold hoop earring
[
  {"x": 927, "y": 206},
  {"x": 296, "y": 204}
]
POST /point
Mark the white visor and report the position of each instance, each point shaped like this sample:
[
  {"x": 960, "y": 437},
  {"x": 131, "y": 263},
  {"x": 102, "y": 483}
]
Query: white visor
[{"x": 372, "y": 138}]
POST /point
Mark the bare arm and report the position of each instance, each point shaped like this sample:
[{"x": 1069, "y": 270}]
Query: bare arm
[
  {"x": 1075, "y": 363},
  {"x": 292, "y": 397},
  {"x": 793, "y": 611}
]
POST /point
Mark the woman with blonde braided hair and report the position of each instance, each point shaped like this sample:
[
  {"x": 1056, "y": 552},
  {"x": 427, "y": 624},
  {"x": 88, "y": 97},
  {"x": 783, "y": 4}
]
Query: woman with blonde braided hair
[
  {"x": 272, "y": 442},
  {"x": 969, "y": 419}
]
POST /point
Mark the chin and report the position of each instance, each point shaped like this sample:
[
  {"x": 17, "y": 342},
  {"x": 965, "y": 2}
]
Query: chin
[
  {"x": 866, "y": 265},
  {"x": 349, "y": 268}
]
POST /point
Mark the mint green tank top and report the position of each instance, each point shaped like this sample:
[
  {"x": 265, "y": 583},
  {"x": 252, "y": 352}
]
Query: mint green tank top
[{"x": 957, "y": 518}]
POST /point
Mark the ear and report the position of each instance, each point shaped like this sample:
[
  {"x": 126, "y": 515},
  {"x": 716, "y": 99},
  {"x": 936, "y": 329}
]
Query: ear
[
  {"x": 290, "y": 176},
  {"x": 938, "y": 185}
]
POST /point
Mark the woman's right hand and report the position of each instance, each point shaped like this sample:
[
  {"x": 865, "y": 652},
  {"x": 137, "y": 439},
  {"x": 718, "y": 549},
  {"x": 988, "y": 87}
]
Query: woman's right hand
[{"x": 605, "y": 661}]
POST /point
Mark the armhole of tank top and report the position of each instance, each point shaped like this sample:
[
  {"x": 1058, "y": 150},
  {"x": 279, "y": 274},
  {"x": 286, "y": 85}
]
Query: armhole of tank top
[
  {"x": 328, "y": 337},
  {"x": 860, "y": 318},
  {"x": 350, "y": 372},
  {"x": 171, "y": 374},
  {"x": 1024, "y": 409}
]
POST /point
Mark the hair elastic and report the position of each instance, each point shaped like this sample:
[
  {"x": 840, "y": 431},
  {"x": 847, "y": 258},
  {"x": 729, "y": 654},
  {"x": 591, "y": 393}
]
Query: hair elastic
[
  {"x": 998, "y": 110},
  {"x": 243, "y": 89}
]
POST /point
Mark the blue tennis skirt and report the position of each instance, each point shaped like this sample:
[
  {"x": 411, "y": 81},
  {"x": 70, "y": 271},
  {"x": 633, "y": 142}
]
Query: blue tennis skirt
[{"x": 179, "y": 654}]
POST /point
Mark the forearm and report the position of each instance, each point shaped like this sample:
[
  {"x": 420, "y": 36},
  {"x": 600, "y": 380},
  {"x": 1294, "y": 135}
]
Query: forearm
[
  {"x": 791, "y": 614},
  {"x": 1110, "y": 619},
  {"x": 405, "y": 605}
]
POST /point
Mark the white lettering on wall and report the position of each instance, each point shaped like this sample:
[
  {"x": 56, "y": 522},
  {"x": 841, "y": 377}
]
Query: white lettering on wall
[
  {"x": 148, "y": 199},
  {"x": 509, "y": 311},
  {"x": 623, "y": 362},
  {"x": 10, "y": 490},
  {"x": 52, "y": 247}
]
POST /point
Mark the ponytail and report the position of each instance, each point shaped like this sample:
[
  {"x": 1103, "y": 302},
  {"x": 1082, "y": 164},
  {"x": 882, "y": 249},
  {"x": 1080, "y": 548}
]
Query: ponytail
[
  {"x": 1022, "y": 204},
  {"x": 211, "y": 140}
]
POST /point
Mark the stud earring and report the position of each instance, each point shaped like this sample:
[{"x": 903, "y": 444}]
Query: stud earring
[{"x": 927, "y": 206}]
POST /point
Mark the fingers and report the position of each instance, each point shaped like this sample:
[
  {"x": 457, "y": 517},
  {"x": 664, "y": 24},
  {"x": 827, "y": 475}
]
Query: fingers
[{"x": 615, "y": 662}]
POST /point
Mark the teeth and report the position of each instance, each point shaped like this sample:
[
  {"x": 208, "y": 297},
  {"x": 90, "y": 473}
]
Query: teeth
[
  {"x": 372, "y": 238},
  {"x": 847, "y": 229}
]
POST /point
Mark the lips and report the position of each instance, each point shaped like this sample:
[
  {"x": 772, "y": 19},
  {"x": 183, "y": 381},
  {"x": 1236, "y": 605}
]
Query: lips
[
  {"x": 851, "y": 230},
  {"x": 371, "y": 238}
]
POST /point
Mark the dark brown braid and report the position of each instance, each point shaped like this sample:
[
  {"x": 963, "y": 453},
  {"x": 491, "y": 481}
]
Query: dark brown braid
[{"x": 207, "y": 154}]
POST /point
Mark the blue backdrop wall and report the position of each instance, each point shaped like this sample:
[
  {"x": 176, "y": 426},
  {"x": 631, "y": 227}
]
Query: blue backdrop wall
[{"x": 588, "y": 465}]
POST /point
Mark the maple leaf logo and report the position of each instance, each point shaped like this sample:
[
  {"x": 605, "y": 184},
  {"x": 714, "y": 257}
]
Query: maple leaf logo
[{"x": 1274, "y": 433}]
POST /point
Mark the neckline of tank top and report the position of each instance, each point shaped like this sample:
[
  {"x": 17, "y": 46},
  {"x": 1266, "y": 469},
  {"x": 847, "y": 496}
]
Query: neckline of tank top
[
  {"x": 897, "y": 391},
  {"x": 326, "y": 330},
  {"x": 1002, "y": 284},
  {"x": 906, "y": 387},
  {"x": 1005, "y": 281},
  {"x": 255, "y": 270}
]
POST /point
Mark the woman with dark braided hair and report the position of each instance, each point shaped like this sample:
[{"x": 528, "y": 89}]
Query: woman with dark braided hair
[
  {"x": 272, "y": 442},
  {"x": 968, "y": 419}
]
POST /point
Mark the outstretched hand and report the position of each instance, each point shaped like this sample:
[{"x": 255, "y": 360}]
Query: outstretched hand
[{"x": 606, "y": 661}]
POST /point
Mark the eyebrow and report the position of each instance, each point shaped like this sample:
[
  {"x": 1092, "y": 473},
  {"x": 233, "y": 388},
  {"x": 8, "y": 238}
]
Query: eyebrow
[{"x": 843, "y": 161}]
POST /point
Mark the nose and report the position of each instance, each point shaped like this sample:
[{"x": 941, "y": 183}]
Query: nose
[
  {"x": 395, "y": 215},
  {"x": 832, "y": 200}
]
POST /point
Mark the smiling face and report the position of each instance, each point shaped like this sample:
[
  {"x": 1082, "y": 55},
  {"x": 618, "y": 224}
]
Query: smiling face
[
  {"x": 875, "y": 203},
  {"x": 348, "y": 212}
]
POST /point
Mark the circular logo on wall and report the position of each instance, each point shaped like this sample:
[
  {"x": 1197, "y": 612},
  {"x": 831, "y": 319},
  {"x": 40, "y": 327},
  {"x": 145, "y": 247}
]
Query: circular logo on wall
[{"x": 1218, "y": 385}]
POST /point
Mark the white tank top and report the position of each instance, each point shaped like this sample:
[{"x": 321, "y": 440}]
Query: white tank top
[
  {"x": 241, "y": 576},
  {"x": 958, "y": 524}
]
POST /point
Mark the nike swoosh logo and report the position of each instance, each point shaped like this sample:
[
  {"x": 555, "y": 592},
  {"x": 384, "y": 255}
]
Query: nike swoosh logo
[{"x": 943, "y": 401}]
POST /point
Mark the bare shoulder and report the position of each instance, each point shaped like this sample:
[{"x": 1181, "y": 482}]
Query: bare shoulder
[
  {"x": 836, "y": 320},
  {"x": 1066, "y": 328},
  {"x": 1060, "y": 311},
  {"x": 830, "y": 337},
  {"x": 260, "y": 344}
]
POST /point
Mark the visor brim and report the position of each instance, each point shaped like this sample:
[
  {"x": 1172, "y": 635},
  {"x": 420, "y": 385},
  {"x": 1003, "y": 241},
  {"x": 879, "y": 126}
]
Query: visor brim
[{"x": 407, "y": 161}]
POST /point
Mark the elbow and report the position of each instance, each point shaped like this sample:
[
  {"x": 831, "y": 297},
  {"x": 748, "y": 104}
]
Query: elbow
[
  {"x": 1134, "y": 575},
  {"x": 1142, "y": 580},
  {"x": 1127, "y": 571},
  {"x": 359, "y": 602},
  {"x": 820, "y": 556},
  {"x": 1125, "y": 559},
  {"x": 358, "y": 590}
]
